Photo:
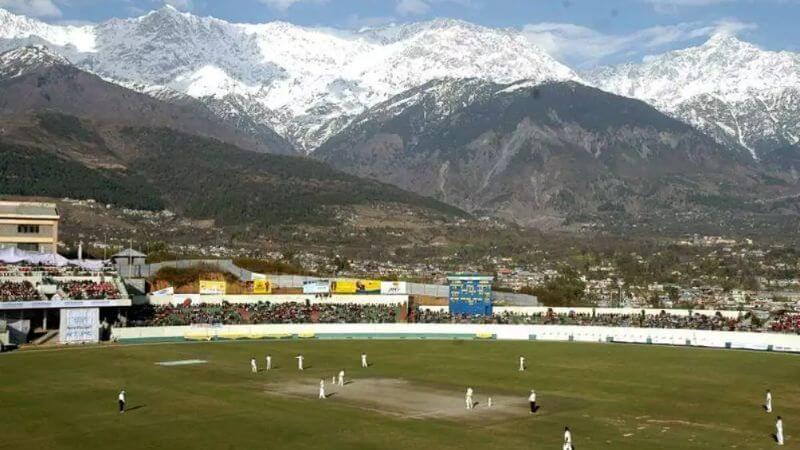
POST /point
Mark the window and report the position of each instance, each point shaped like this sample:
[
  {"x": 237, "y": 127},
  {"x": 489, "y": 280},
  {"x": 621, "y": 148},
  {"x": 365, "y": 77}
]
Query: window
[
  {"x": 28, "y": 247},
  {"x": 28, "y": 229}
]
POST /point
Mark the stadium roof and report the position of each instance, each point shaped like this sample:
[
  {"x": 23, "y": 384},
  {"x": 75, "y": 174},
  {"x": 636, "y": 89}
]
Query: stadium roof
[
  {"x": 28, "y": 210},
  {"x": 129, "y": 253},
  {"x": 469, "y": 277}
]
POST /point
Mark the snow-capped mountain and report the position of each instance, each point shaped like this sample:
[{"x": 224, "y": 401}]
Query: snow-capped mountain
[
  {"x": 306, "y": 83},
  {"x": 35, "y": 79},
  {"x": 15, "y": 29},
  {"x": 538, "y": 154},
  {"x": 730, "y": 89},
  {"x": 27, "y": 59}
]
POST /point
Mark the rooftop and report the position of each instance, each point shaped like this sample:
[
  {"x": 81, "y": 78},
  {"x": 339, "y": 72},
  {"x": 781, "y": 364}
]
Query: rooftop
[
  {"x": 28, "y": 210},
  {"x": 129, "y": 253}
]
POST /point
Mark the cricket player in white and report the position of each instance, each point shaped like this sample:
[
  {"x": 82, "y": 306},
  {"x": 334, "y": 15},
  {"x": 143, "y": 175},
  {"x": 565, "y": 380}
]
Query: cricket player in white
[
  {"x": 364, "y": 364},
  {"x": 269, "y": 362},
  {"x": 532, "y": 401},
  {"x": 253, "y": 365},
  {"x": 468, "y": 398},
  {"x": 567, "y": 438},
  {"x": 768, "y": 403},
  {"x": 322, "y": 389},
  {"x": 299, "y": 362},
  {"x": 779, "y": 431},
  {"x": 121, "y": 400},
  {"x": 521, "y": 363},
  {"x": 341, "y": 377}
]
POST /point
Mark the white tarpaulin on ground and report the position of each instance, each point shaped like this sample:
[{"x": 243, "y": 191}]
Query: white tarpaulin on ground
[{"x": 15, "y": 255}]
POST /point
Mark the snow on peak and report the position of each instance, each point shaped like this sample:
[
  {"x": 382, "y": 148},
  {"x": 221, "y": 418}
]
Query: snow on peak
[
  {"x": 723, "y": 66},
  {"x": 19, "y": 61},
  {"x": 21, "y": 29},
  {"x": 310, "y": 79},
  {"x": 734, "y": 91}
]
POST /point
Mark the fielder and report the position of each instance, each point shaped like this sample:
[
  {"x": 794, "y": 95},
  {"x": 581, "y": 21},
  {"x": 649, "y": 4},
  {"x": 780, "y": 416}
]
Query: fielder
[
  {"x": 253, "y": 365},
  {"x": 299, "y": 362},
  {"x": 567, "y": 438},
  {"x": 321, "y": 389},
  {"x": 779, "y": 431},
  {"x": 269, "y": 362},
  {"x": 468, "y": 398},
  {"x": 364, "y": 364},
  {"x": 521, "y": 363},
  {"x": 341, "y": 378},
  {"x": 121, "y": 401},
  {"x": 768, "y": 402},
  {"x": 532, "y": 401}
]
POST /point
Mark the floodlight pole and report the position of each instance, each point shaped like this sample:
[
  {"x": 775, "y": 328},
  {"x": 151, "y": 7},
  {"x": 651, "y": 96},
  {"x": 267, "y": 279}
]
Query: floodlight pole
[{"x": 130, "y": 256}]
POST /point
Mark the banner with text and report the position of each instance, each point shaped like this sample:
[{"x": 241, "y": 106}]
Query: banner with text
[
  {"x": 317, "y": 287},
  {"x": 368, "y": 287},
  {"x": 394, "y": 287},
  {"x": 212, "y": 287},
  {"x": 80, "y": 325},
  {"x": 343, "y": 287},
  {"x": 261, "y": 286}
]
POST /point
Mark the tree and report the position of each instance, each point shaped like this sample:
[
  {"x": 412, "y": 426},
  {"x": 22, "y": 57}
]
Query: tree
[{"x": 566, "y": 289}]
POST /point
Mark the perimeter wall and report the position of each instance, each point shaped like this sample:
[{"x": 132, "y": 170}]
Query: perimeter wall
[{"x": 700, "y": 338}]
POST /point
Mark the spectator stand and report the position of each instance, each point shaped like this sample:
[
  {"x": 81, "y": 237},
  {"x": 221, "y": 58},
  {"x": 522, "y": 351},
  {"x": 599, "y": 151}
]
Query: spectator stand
[{"x": 34, "y": 298}]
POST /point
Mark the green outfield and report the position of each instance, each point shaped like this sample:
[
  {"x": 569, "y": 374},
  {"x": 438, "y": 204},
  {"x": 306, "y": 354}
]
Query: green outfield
[{"x": 612, "y": 396}]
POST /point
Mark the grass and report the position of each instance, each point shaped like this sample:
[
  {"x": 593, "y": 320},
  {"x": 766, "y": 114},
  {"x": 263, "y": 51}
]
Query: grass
[{"x": 660, "y": 397}]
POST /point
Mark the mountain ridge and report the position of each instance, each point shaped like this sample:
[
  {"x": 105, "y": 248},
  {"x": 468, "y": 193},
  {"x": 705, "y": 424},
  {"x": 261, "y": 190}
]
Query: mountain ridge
[
  {"x": 310, "y": 80},
  {"x": 730, "y": 89},
  {"x": 540, "y": 155},
  {"x": 33, "y": 78}
]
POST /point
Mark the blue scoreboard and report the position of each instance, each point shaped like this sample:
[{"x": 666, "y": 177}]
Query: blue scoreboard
[{"x": 470, "y": 294}]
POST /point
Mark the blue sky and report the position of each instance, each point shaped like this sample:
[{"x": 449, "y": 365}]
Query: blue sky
[{"x": 582, "y": 33}]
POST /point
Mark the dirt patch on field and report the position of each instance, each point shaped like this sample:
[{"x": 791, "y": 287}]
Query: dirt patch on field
[{"x": 407, "y": 400}]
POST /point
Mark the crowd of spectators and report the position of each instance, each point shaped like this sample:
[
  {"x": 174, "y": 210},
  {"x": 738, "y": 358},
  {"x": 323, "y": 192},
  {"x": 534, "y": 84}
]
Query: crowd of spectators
[
  {"x": 88, "y": 290},
  {"x": 29, "y": 282},
  {"x": 294, "y": 312},
  {"x": 262, "y": 313},
  {"x": 18, "y": 291},
  {"x": 23, "y": 269},
  {"x": 786, "y": 323},
  {"x": 662, "y": 320}
]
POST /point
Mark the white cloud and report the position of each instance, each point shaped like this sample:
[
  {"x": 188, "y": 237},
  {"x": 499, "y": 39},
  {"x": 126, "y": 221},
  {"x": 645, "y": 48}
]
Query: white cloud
[
  {"x": 284, "y": 5},
  {"x": 419, "y": 7},
  {"x": 181, "y": 5},
  {"x": 35, "y": 8},
  {"x": 586, "y": 47},
  {"x": 412, "y": 7},
  {"x": 732, "y": 27},
  {"x": 357, "y": 22},
  {"x": 671, "y": 6}
]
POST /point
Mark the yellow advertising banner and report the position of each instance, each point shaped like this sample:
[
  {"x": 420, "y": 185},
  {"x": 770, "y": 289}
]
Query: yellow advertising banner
[
  {"x": 356, "y": 287},
  {"x": 212, "y": 287},
  {"x": 261, "y": 286},
  {"x": 343, "y": 287},
  {"x": 368, "y": 287}
]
